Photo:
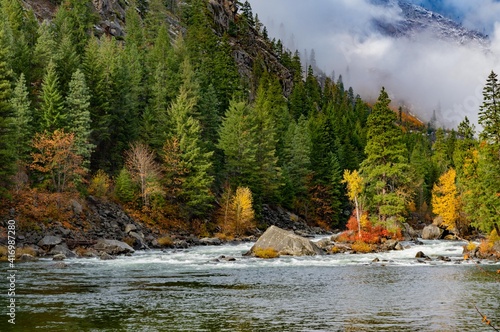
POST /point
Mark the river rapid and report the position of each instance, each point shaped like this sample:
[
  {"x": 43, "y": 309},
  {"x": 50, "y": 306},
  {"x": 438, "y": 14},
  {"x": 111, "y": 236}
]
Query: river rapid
[{"x": 186, "y": 290}]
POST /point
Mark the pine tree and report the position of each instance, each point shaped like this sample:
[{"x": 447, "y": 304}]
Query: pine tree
[
  {"x": 79, "y": 122},
  {"x": 464, "y": 146},
  {"x": 385, "y": 170},
  {"x": 196, "y": 162},
  {"x": 489, "y": 114},
  {"x": 440, "y": 156},
  {"x": 269, "y": 174},
  {"x": 45, "y": 50},
  {"x": 296, "y": 160},
  {"x": 23, "y": 118},
  {"x": 236, "y": 140},
  {"x": 6, "y": 119},
  {"x": 124, "y": 186},
  {"x": 52, "y": 103}
]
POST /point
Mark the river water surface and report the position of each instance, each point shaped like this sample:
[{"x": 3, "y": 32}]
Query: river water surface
[{"x": 186, "y": 290}]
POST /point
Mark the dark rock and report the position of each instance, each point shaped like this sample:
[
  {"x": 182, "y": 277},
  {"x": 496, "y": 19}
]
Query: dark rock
[
  {"x": 226, "y": 258},
  {"x": 375, "y": 260},
  {"x": 139, "y": 240},
  {"x": 286, "y": 243},
  {"x": 62, "y": 249},
  {"x": 113, "y": 247},
  {"x": 59, "y": 265},
  {"x": 212, "y": 241},
  {"x": 431, "y": 232},
  {"x": 27, "y": 258},
  {"x": 59, "y": 257},
  {"x": 389, "y": 245},
  {"x": 444, "y": 258},
  {"x": 181, "y": 244},
  {"x": 409, "y": 233},
  {"x": 398, "y": 246},
  {"x": 105, "y": 256},
  {"x": 49, "y": 241},
  {"x": 422, "y": 255}
]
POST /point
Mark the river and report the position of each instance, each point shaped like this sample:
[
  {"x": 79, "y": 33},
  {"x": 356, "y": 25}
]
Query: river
[{"x": 185, "y": 290}]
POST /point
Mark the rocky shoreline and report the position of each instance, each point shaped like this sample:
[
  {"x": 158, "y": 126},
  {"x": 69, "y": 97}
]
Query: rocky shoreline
[
  {"x": 101, "y": 228},
  {"x": 104, "y": 230}
]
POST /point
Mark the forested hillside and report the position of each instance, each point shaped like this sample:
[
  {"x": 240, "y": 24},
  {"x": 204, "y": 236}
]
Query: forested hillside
[{"x": 195, "y": 118}]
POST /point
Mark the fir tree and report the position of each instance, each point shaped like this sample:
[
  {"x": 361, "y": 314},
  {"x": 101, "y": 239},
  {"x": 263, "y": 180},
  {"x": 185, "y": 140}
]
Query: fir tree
[
  {"x": 77, "y": 104},
  {"x": 489, "y": 114},
  {"x": 52, "y": 103},
  {"x": 6, "y": 120},
  {"x": 23, "y": 118},
  {"x": 196, "y": 162},
  {"x": 236, "y": 140},
  {"x": 385, "y": 170}
]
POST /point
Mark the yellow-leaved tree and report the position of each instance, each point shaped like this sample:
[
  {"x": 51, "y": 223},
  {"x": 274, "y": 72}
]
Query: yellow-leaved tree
[
  {"x": 446, "y": 201},
  {"x": 354, "y": 183},
  {"x": 237, "y": 215}
]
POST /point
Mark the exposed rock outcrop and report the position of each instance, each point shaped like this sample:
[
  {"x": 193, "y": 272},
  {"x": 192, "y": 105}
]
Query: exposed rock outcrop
[
  {"x": 285, "y": 243},
  {"x": 431, "y": 232},
  {"x": 113, "y": 247}
]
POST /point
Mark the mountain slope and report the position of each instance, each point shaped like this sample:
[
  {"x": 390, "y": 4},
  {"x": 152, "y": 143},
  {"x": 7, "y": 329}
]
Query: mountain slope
[{"x": 416, "y": 19}]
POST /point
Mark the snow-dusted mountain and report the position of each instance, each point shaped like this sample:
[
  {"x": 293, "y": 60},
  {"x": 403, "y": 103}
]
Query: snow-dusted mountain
[{"x": 415, "y": 20}]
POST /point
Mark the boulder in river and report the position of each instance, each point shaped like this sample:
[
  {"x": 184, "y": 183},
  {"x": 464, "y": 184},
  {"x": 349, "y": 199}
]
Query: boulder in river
[
  {"x": 113, "y": 247},
  {"x": 285, "y": 243},
  {"x": 431, "y": 232}
]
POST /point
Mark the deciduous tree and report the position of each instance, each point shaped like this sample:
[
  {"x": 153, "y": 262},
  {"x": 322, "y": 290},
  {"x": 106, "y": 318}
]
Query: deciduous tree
[{"x": 55, "y": 154}]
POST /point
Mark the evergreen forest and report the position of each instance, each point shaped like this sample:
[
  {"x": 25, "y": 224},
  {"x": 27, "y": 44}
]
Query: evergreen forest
[{"x": 166, "y": 122}]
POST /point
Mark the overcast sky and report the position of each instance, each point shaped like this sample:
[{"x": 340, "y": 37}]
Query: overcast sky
[{"x": 425, "y": 73}]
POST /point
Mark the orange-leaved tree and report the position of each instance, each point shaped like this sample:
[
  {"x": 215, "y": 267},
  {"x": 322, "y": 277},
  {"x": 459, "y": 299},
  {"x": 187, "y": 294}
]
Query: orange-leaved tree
[{"x": 56, "y": 155}]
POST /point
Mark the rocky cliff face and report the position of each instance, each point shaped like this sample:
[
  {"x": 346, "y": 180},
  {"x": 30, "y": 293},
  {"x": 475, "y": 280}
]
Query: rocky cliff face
[
  {"x": 246, "y": 48},
  {"x": 250, "y": 46}
]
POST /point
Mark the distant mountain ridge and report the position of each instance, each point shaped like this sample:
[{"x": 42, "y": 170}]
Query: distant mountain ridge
[{"x": 417, "y": 19}]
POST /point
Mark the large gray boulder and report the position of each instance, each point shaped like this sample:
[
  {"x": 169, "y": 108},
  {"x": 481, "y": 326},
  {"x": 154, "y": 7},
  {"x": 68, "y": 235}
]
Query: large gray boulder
[
  {"x": 431, "y": 232},
  {"x": 286, "y": 243},
  {"x": 49, "y": 241},
  {"x": 113, "y": 247}
]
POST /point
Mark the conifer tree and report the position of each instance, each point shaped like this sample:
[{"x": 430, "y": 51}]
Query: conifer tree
[
  {"x": 236, "y": 140},
  {"x": 124, "y": 186},
  {"x": 489, "y": 114},
  {"x": 385, "y": 170},
  {"x": 196, "y": 162},
  {"x": 269, "y": 173},
  {"x": 464, "y": 146},
  {"x": 79, "y": 122},
  {"x": 23, "y": 118},
  {"x": 6, "y": 119},
  {"x": 45, "y": 49},
  {"x": 296, "y": 160},
  {"x": 52, "y": 103}
]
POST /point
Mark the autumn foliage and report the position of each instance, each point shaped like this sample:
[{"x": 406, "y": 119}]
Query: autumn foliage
[
  {"x": 369, "y": 233},
  {"x": 236, "y": 215},
  {"x": 56, "y": 156}
]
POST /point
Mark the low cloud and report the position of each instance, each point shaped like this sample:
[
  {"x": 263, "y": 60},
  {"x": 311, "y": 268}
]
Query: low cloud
[{"x": 425, "y": 73}]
